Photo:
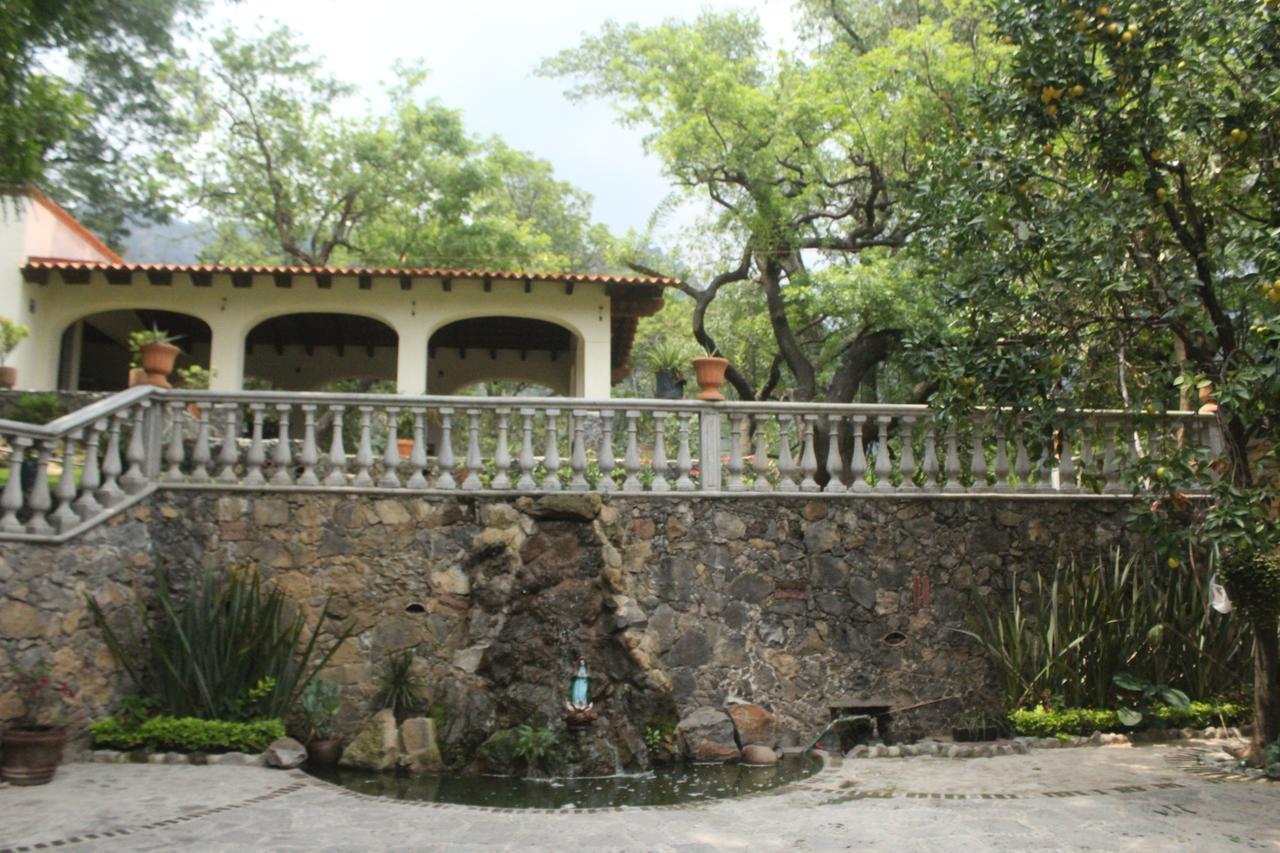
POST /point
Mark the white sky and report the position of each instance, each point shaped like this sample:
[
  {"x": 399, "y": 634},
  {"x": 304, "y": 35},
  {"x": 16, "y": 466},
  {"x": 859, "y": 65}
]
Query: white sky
[{"x": 481, "y": 54}]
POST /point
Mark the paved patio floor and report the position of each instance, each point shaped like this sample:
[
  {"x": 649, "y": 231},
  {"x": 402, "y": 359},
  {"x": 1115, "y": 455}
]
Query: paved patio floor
[{"x": 1149, "y": 798}]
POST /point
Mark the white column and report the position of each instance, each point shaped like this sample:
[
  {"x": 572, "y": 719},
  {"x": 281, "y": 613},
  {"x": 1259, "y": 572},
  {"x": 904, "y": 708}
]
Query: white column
[
  {"x": 411, "y": 358},
  {"x": 226, "y": 354},
  {"x": 593, "y": 374}
]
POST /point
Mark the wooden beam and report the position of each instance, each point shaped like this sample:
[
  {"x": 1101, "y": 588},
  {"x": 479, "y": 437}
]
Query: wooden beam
[
  {"x": 202, "y": 278},
  {"x": 366, "y": 281},
  {"x": 35, "y": 275},
  {"x": 488, "y": 284},
  {"x": 528, "y": 285},
  {"x": 118, "y": 276},
  {"x": 242, "y": 279},
  {"x": 160, "y": 278},
  {"x": 568, "y": 288},
  {"x": 283, "y": 279},
  {"x": 446, "y": 284},
  {"x": 324, "y": 280},
  {"x": 406, "y": 282}
]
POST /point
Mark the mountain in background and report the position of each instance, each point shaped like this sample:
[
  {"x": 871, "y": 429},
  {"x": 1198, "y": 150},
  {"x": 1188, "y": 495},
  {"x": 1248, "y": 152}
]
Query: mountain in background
[{"x": 177, "y": 242}]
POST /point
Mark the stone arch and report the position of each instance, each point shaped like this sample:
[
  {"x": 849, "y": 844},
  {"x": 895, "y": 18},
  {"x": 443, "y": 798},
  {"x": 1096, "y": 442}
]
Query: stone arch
[
  {"x": 476, "y": 349},
  {"x": 94, "y": 354},
  {"x": 303, "y": 351}
]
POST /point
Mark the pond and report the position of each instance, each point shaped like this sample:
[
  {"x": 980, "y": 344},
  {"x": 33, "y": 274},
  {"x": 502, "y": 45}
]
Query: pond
[{"x": 681, "y": 783}]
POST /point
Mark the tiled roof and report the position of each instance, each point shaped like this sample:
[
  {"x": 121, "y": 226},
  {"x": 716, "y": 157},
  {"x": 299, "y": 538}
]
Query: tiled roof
[{"x": 379, "y": 272}]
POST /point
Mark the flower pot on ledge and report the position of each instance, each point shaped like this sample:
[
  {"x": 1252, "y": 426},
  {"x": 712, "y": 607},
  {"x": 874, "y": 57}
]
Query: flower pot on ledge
[
  {"x": 709, "y": 371},
  {"x": 158, "y": 360}
]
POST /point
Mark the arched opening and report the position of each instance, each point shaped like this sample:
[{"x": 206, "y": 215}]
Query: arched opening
[
  {"x": 308, "y": 352},
  {"x": 508, "y": 353},
  {"x": 95, "y": 355}
]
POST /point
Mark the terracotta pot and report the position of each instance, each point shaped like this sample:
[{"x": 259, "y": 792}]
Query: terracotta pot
[
  {"x": 157, "y": 361},
  {"x": 31, "y": 755},
  {"x": 324, "y": 752},
  {"x": 8, "y": 377},
  {"x": 405, "y": 447},
  {"x": 709, "y": 371}
]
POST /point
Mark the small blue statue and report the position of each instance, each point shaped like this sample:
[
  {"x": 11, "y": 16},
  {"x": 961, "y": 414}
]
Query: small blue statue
[{"x": 579, "y": 688}]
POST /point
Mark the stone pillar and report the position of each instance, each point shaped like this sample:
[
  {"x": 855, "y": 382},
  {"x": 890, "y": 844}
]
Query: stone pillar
[
  {"x": 411, "y": 358},
  {"x": 592, "y": 379},
  {"x": 226, "y": 355}
]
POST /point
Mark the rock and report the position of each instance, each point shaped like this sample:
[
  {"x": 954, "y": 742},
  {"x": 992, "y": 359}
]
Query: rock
[
  {"x": 377, "y": 746},
  {"x": 419, "y": 750},
  {"x": 863, "y": 591},
  {"x": 19, "y": 621},
  {"x": 627, "y": 613},
  {"x": 754, "y": 725},
  {"x": 707, "y": 735},
  {"x": 859, "y": 751},
  {"x": 728, "y": 525},
  {"x": 893, "y": 752},
  {"x": 1019, "y": 747},
  {"x": 285, "y": 753},
  {"x": 758, "y": 754},
  {"x": 573, "y": 507},
  {"x": 750, "y": 587},
  {"x": 236, "y": 758}
]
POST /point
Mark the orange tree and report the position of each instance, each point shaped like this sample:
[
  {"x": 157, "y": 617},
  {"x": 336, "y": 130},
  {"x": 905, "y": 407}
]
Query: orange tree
[{"x": 1106, "y": 226}]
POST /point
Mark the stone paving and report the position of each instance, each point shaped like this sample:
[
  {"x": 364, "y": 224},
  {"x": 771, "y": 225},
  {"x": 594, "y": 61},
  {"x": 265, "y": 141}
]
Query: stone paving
[{"x": 1157, "y": 797}]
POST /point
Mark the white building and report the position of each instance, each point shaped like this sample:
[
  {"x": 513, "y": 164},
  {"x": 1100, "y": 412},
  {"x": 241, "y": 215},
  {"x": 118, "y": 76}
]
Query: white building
[{"x": 296, "y": 328}]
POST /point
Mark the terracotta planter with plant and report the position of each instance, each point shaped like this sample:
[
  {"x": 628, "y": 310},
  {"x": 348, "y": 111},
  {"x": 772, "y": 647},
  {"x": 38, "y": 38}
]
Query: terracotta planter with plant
[
  {"x": 11, "y": 334},
  {"x": 32, "y": 744},
  {"x": 321, "y": 701},
  {"x": 156, "y": 354},
  {"x": 709, "y": 371}
]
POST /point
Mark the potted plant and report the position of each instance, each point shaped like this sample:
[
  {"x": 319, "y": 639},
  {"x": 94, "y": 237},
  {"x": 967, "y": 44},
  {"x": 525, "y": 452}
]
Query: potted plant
[
  {"x": 976, "y": 725},
  {"x": 11, "y": 334},
  {"x": 404, "y": 434},
  {"x": 155, "y": 352},
  {"x": 668, "y": 358},
  {"x": 33, "y": 743},
  {"x": 196, "y": 378},
  {"x": 709, "y": 371},
  {"x": 321, "y": 701}
]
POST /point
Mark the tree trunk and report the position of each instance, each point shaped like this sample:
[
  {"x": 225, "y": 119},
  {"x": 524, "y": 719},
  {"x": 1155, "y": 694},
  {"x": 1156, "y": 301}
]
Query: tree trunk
[{"x": 1266, "y": 683}]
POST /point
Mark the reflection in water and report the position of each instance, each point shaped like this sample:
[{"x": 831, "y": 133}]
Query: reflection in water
[{"x": 662, "y": 786}]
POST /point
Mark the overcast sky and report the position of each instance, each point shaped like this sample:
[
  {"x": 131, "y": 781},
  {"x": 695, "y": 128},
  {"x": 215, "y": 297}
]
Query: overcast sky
[{"x": 481, "y": 54}]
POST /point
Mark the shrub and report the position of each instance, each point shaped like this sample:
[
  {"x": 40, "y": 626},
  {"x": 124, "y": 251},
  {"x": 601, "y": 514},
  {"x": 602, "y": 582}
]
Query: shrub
[
  {"x": 399, "y": 687},
  {"x": 228, "y": 652},
  {"x": 186, "y": 734},
  {"x": 1086, "y": 721}
]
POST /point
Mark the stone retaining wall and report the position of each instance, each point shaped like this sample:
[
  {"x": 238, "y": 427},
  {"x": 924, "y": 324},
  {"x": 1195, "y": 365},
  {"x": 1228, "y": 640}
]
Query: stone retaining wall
[{"x": 675, "y": 603}]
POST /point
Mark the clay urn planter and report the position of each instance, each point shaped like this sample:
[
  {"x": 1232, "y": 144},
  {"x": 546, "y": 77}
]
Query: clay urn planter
[
  {"x": 157, "y": 362},
  {"x": 8, "y": 377},
  {"x": 32, "y": 755},
  {"x": 709, "y": 371},
  {"x": 324, "y": 752},
  {"x": 405, "y": 447}
]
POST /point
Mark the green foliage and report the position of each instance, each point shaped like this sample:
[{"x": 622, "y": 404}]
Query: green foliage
[
  {"x": 154, "y": 335},
  {"x": 232, "y": 649},
  {"x": 321, "y": 701},
  {"x": 1144, "y": 697},
  {"x": 34, "y": 408},
  {"x": 398, "y": 686},
  {"x": 1085, "y": 721},
  {"x": 1271, "y": 759},
  {"x": 1253, "y": 582},
  {"x": 186, "y": 734},
  {"x": 660, "y": 736},
  {"x": 195, "y": 377},
  {"x": 1077, "y": 628},
  {"x": 11, "y": 334},
  {"x": 534, "y": 745}
]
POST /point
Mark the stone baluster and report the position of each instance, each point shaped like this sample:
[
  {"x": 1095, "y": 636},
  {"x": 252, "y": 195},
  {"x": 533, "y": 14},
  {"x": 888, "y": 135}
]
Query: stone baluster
[
  {"x": 1021, "y": 464},
  {"x": 310, "y": 454},
  {"x": 978, "y": 458},
  {"x": 256, "y": 458},
  {"x": 578, "y": 453},
  {"x": 337, "y": 452},
  {"x": 551, "y": 459},
  {"x": 786, "y": 462},
  {"x": 660, "y": 483},
  {"x": 174, "y": 453},
  {"x": 883, "y": 465},
  {"x": 760, "y": 464},
  {"x": 418, "y": 456},
  {"x": 11, "y": 499},
  {"x": 858, "y": 464},
  {"x": 907, "y": 461},
  {"x": 228, "y": 452},
  {"x": 1088, "y": 434},
  {"x": 65, "y": 516},
  {"x": 1043, "y": 474},
  {"x": 40, "y": 501},
  {"x": 87, "y": 505},
  {"x": 364, "y": 449},
  {"x": 606, "y": 460},
  {"x": 390, "y": 478},
  {"x": 1002, "y": 460},
  {"x": 631, "y": 457},
  {"x": 1110, "y": 466},
  {"x": 133, "y": 480},
  {"x": 527, "y": 462},
  {"x": 735, "y": 483},
  {"x": 111, "y": 494},
  {"x": 951, "y": 463},
  {"x": 930, "y": 463},
  {"x": 473, "y": 464},
  {"x": 201, "y": 455},
  {"x": 835, "y": 464},
  {"x": 1066, "y": 462},
  {"x": 502, "y": 455},
  {"x": 282, "y": 458},
  {"x": 684, "y": 460},
  {"x": 809, "y": 457}
]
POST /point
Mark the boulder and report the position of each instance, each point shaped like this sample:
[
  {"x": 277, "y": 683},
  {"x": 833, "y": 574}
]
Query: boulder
[
  {"x": 419, "y": 750},
  {"x": 707, "y": 735},
  {"x": 377, "y": 746},
  {"x": 566, "y": 507},
  {"x": 755, "y": 725},
  {"x": 754, "y": 753},
  {"x": 285, "y": 753}
]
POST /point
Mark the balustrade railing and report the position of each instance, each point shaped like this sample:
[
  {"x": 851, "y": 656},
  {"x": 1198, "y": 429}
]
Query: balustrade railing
[{"x": 70, "y": 474}]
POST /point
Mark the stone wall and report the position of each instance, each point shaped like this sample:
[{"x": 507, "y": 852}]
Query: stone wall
[{"x": 675, "y": 603}]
